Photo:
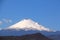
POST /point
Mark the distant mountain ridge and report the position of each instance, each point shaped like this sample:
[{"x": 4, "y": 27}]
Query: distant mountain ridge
[
  {"x": 36, "y": 36},
  {"x": 26, "y": 27}
]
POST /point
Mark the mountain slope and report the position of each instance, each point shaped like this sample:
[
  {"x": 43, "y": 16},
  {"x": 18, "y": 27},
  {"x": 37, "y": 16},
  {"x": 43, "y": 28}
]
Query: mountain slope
[
  {"x": 37, "y": 36},
  {"x": 52, "y": 35},
  {"x": 55, "y": 35},
  {"x": 25, "y": 26},
  {"x": 28, "y": 24}
]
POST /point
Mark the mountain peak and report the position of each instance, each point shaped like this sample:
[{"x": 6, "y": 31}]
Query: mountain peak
[{"x": 28, "y": 24}]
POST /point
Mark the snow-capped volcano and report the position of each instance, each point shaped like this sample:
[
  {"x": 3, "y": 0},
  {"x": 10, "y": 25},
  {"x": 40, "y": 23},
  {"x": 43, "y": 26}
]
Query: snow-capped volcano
[{"x": 28, "y": 24}]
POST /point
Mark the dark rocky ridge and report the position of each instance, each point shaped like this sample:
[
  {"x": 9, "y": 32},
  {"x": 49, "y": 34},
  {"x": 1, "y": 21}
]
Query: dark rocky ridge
[{"x": 36, "y": 36}]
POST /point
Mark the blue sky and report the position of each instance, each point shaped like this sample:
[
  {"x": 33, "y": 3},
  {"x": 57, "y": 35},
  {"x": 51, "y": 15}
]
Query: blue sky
[{"x": 46, "y": 12}]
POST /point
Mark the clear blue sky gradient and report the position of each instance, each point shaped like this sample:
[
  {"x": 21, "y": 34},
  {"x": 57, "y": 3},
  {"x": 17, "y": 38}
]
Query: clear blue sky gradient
[{"x": 46, "y": 12}]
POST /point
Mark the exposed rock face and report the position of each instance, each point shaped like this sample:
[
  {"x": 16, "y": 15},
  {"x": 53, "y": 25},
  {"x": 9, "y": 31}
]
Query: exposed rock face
[{"x": 37, "y": 36}]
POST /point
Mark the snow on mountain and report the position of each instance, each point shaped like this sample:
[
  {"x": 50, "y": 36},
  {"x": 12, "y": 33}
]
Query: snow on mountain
[
  {"x": 24, "y": 27},
  {"x": 28, "y": 24}
]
